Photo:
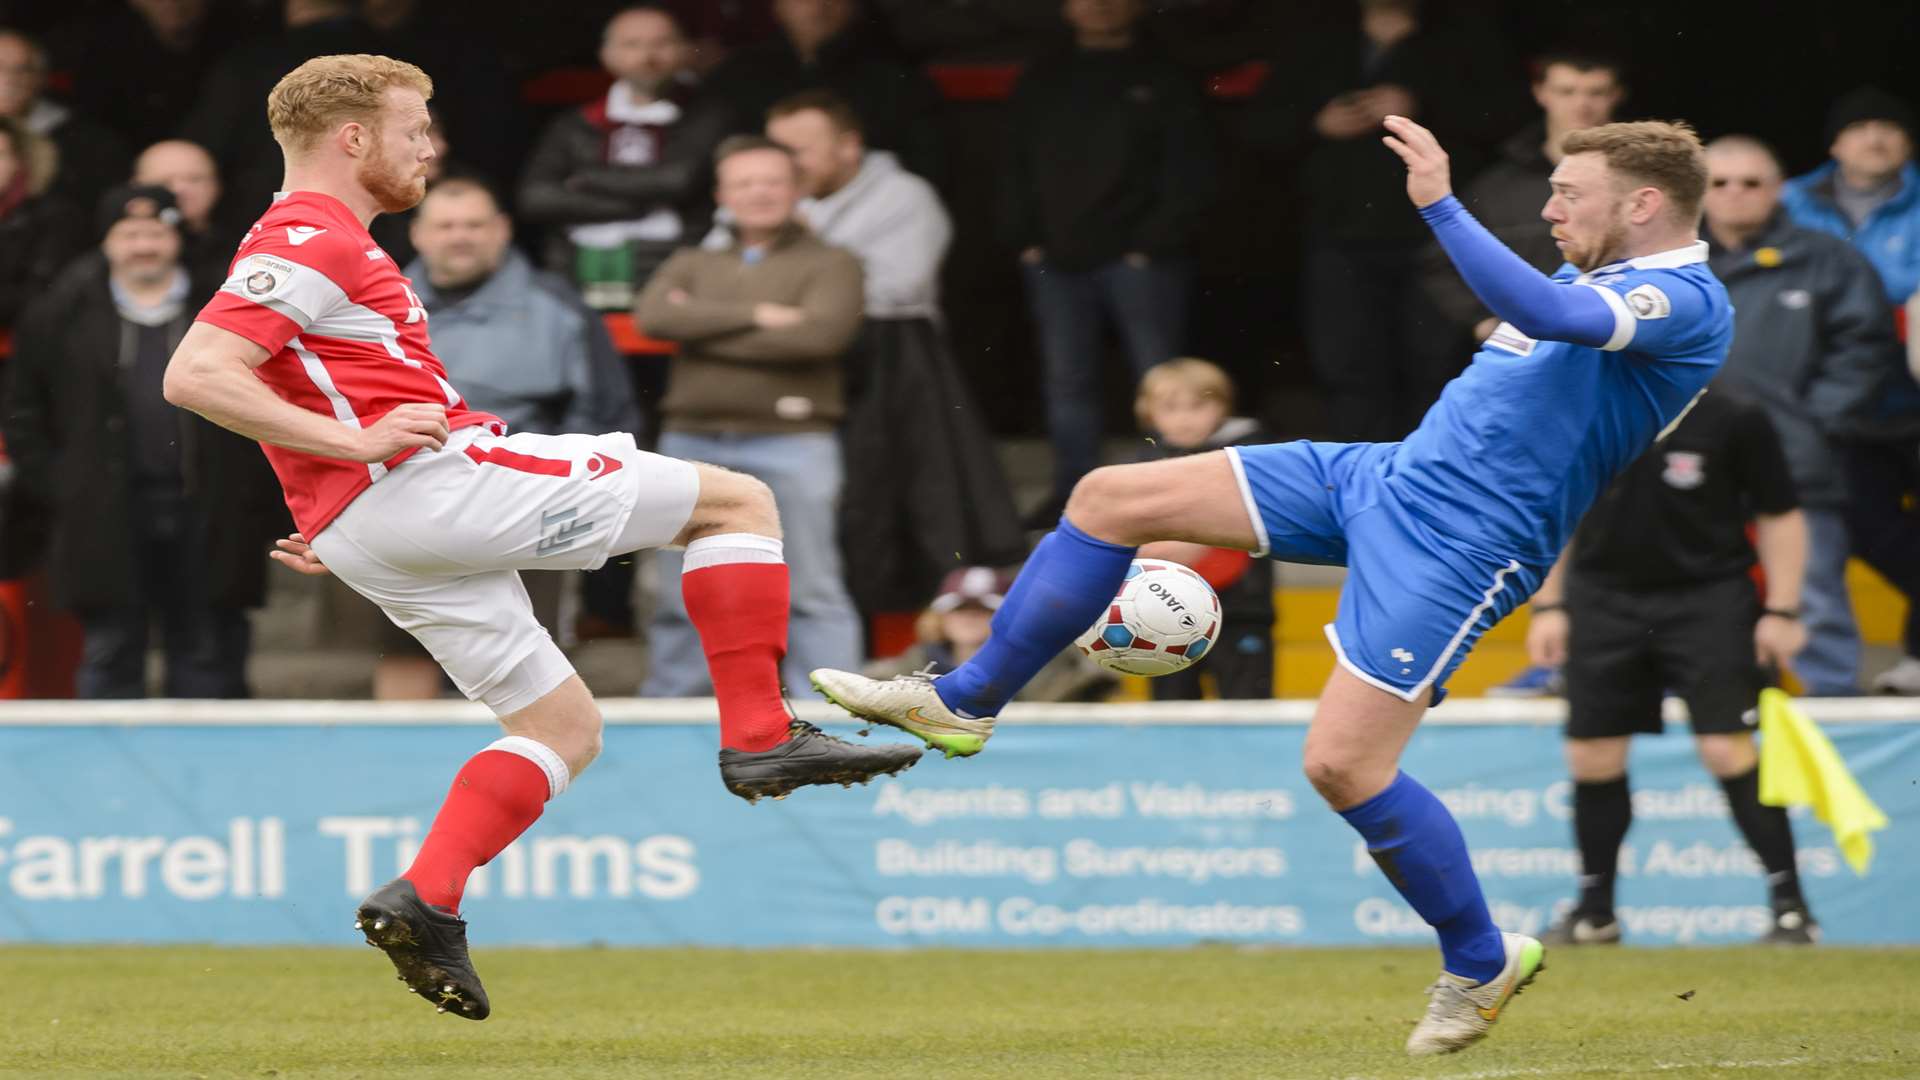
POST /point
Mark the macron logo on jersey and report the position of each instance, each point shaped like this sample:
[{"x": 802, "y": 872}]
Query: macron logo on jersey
[
  {"x": 300, "y": 234},
  {"x": 600, "y": 465}
]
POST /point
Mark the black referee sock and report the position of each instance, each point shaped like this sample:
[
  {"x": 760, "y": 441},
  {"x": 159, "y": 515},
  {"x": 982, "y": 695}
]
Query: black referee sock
[
  {"x": 1602, "y": 813},
  {"x": 1769, "y": 834}
]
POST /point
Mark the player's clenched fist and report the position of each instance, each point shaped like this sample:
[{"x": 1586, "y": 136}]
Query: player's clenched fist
[
  {"x": 1428, "y": 178},
  {"x": 407, "y": 427}
]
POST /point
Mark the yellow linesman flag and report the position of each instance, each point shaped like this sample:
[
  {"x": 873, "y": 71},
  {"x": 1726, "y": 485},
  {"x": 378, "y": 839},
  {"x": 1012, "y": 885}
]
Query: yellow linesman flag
[{"x": 1800, "y": 767}]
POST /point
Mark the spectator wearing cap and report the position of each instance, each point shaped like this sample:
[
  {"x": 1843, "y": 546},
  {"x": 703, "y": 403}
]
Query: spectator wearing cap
[
  {"x": 625, "y": 179},
  {"x": 956, "y": 624},
  {"x": 91, "y": 157},
  {"x": 39, "y": 232},
  {"x": 1870, "y": 194},
  {"x": 156, "y": 516},
  {"x": 924, "y": 487}
]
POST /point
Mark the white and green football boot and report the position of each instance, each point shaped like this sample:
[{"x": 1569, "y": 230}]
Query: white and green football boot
[
  {"x": 909, "y": 703},
  {"x": 1460, "y": 1013}
]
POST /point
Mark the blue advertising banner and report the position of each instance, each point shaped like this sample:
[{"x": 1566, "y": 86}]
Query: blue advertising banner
[{"x": 1122, "y": 826}]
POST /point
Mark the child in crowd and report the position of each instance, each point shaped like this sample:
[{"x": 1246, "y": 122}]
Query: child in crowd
[{"x": 1185, "y": 406}]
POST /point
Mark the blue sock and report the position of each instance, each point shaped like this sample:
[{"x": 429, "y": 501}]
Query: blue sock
[
  {"x": 1066, "y": 584},
  {"x": 1419, "y": 847}
]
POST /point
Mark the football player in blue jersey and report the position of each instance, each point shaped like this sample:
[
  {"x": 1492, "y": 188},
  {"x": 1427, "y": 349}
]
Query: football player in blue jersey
[{"x": 1443, "y": 533}]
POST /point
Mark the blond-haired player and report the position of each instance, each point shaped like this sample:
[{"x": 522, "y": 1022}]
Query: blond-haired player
[{"x": 317, "y": 346}]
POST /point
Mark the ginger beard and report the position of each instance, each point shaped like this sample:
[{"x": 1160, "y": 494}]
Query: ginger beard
[
  {"x": 395, "y": 187},
  {"x": 1602, "y": 249}
]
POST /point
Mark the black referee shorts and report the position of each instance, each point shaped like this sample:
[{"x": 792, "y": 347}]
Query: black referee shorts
[{"x": 1629, "y": 648}]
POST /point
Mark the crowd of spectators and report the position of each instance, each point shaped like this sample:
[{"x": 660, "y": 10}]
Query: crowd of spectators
[{"x": 769, "y": 186}]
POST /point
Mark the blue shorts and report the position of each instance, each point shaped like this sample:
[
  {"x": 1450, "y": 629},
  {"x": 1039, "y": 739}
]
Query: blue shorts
[{"x": 1415, "y": 600}]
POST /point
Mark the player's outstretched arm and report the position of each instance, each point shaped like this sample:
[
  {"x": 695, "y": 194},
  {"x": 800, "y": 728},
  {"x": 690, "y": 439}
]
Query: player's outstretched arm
[
  {"x": 211, "y": 373},
  {"x": 1536, "y": 305}
]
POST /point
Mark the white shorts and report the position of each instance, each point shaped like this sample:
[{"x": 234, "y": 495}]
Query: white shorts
[{"x": 438, "y": 541}]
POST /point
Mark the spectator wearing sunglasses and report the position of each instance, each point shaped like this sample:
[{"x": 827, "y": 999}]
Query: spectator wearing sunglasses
[{"x": 1814, "y": 345}]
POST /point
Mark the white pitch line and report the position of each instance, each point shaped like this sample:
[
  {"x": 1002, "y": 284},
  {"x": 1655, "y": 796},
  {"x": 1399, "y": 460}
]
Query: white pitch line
[{"x": 1640, "y": 1070}]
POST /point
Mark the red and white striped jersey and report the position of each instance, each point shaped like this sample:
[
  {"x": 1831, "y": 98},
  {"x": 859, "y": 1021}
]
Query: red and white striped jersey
[{"x": 348, "y": 337}]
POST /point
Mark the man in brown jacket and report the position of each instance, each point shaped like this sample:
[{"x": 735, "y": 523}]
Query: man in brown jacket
[{"x": 756, "y": 387}]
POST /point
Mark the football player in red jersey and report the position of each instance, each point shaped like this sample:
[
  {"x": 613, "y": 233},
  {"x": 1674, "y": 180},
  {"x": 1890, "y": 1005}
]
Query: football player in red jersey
[{"x": 317, "y": 346}]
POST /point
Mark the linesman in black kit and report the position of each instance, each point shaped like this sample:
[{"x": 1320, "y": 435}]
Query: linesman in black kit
[{"x": 1656, "y": 595}]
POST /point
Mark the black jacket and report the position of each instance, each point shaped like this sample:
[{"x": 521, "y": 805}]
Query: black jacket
[
  {"x": 924, "y": 492},
  {"x": 1507, "y": 198},
  {"x": 897, "y": 104},
  {"x": 1355, "y": 190},
  {"x": 569, "y": 182},
  {"x": 66, "y": 424},
  {"x": 1108, "y": 152},
  {"x": 37, "y": 239},
  {"x": 1813, "y": 344}
]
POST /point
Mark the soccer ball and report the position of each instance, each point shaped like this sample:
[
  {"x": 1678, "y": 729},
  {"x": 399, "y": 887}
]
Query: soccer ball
[{"x": 1164, "y": 618}]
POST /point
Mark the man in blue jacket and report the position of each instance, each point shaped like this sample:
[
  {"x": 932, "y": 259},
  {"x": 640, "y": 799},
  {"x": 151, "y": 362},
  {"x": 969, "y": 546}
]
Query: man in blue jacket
[
  {"x": 1870, "y": 195},
  {"x": 520, "y": 338},
  {"x": 1870, "y": 192}
]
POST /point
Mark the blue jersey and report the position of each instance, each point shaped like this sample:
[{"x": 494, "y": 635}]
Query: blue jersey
[{"x": 1523, "y": 442}]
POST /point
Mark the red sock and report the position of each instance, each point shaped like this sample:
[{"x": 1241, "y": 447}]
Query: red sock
[
  {"x": 496, "y": 795},
  {"x": 740, "y": 609}
]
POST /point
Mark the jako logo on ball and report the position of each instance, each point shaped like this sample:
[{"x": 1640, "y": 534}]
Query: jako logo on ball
[{"x": 1164, "y": 618}]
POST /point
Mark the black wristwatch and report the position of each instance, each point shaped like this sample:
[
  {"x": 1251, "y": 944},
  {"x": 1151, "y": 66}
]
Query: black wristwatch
[{"x": 1782, "y": 613}]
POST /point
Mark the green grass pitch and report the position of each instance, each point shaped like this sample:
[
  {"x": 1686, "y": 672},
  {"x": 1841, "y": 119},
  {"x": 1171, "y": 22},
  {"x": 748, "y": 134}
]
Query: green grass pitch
[{"x": 1201, "y": 1013}]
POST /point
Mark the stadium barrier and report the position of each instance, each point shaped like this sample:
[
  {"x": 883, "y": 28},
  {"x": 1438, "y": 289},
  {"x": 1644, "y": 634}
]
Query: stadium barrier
[{"x": 1158, "y": 824}]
